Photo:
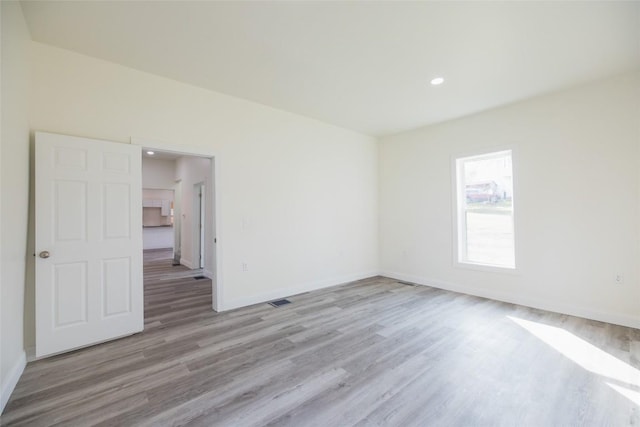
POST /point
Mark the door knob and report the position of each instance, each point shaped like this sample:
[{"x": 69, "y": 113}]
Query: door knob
[{"x": 44, "y": 254}]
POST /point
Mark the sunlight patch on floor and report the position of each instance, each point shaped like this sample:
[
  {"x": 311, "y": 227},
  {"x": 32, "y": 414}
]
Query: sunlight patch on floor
[
  {"x": 632, "y": 395},
  {"x": 587, "y": 356}
]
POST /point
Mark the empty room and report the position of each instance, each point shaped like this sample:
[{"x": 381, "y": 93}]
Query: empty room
[{"x": 320, "y": 213}]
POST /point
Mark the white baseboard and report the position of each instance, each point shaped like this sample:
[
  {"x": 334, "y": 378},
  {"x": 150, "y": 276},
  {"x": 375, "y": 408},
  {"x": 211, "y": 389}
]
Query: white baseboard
[
  {"x": 186, "y": 263},
  {"x": 287, "y": 292},
  {"x": 556, "y": 307},
  {"x": 10, "y": 381},
  {"x": 207, "y": 273},
  {"x": 31, "y": 353}
]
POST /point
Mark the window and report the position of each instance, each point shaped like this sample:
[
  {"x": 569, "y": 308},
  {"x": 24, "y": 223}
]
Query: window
[{"x": 485, "y": 210}]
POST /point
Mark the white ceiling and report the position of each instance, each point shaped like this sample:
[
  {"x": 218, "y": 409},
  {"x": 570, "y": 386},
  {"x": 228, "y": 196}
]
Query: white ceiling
[{"x": 362, "y": 65}]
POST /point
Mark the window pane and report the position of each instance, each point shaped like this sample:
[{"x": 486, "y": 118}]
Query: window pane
[
  {"x": 486, "y": 210},
  {"x": 490, "y": 239}
]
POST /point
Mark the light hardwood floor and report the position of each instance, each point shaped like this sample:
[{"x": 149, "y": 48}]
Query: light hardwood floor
[{"x": 368, "y": 353}]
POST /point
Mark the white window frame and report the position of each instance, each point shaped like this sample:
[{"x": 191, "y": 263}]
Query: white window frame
[{"x": 459, "y": 209}]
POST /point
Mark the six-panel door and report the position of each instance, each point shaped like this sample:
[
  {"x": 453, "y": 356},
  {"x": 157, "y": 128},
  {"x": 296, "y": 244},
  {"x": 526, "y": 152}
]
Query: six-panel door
[{"x": 89, "y": 286}]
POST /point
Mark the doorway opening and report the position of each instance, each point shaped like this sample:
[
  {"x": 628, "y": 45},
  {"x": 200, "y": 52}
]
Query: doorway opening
[{"x": 189, "y": 261}]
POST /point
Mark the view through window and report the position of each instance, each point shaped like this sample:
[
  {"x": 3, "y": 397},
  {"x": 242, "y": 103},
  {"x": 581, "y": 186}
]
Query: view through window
[{"x": 485, "y": 210}]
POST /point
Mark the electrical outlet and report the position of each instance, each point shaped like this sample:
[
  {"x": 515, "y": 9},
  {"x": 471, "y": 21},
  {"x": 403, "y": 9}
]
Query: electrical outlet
[
  {"x": 619, "y": 279},
  {"x": 245, "y": 267}
]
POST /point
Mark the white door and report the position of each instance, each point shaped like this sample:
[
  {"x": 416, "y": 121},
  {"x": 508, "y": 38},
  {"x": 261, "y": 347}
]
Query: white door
[{"x": 88, "y": 242}]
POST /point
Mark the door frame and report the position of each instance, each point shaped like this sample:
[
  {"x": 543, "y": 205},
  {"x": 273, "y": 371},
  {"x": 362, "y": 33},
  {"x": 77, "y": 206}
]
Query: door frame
[
  {"x": 199, "y": 228},
  {"x": 177, "y": 221},
  {"x": 214, "y": 194}
]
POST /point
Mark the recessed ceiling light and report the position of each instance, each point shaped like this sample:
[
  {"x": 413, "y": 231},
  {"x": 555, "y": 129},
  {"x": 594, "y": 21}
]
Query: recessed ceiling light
[
  {"x": 151, "y": 153},
  {"x": 437, "y": 81}
]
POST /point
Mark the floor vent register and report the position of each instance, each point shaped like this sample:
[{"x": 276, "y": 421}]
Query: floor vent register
[{"x": 280, "y": 302}]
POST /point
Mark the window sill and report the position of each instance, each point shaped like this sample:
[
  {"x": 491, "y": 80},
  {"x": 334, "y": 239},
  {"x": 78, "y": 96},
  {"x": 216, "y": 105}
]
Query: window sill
[{"x": 486, "y": 268}]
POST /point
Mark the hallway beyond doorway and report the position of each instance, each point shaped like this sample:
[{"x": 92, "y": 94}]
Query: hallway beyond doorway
[{"x": 172, "y": 292}]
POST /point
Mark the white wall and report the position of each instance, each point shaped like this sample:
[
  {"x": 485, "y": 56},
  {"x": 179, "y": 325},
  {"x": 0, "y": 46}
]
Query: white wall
[
  {"x": 14, "y": 177},
  {"x": 190, "y": 171},
  {"x": 158, "y": 193},
  {"x": 306, "y": 190},
  {"x": 158, "y": 173},
  {"x": 577, "y": 201}
]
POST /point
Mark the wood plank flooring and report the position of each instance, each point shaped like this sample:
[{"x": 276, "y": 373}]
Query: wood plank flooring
[{"x": 368, "y": 353}]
